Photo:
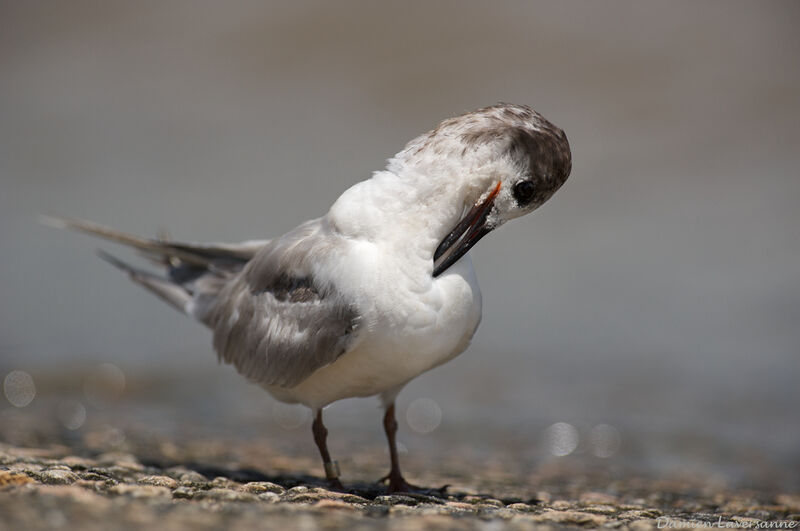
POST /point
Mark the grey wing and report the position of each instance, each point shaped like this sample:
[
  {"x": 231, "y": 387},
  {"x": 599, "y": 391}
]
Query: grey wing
[{"x": 275, "y": 322}]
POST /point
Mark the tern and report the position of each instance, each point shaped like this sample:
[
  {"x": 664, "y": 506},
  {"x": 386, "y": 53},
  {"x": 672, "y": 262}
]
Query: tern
[{"x": 377, "y": 291}]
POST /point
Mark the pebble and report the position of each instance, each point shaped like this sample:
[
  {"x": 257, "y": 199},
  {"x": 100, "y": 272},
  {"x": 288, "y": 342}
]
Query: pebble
[
  {"x": 396, "y": 499},
  {"x": 223, "y": 483},
  {"x": 13, "y": 478},
  {"x": 493, "y": 502},
  {"x": 26, "y": 468},
  {"x": 58, "y": 476},
  {"x": 140, "y": 491},
  {"x": 571, "y": 517},
  {"x": 304, "y": 497},
  {"x": 118, "y": 472},
  {"x": 631, "y": 506},
  {"x": 522, "y": 507},
  {"x": 259, "y": 487},
  {"x": 186, "y": 476},
  {"x": 183, "y": 493},
  {"x": 350, "y": 498},
  {"x": 224, "y": 495},
  {"x": 600, "y": 509},
  {"x": 640, "y": 513},
  {"x": 158, "y": 481},
  {"x": 561, "y": 505},
  {"x": 94, "y": 476},
  {"x": 461, "y": 506},
  {"x": 192, "y": 479},
  {"x": 55, "y": 466},
  {"x": 473, "y": 499},
  {"x": 270, "y": 497}
]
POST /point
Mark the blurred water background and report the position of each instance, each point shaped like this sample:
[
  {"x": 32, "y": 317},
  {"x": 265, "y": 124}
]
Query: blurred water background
[{"x": 648, "y": 317}]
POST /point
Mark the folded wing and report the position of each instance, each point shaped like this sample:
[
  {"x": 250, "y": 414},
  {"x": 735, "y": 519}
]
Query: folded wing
[
  {"x": 271, "y": 317},
  {"x": 276, "y": 321}
]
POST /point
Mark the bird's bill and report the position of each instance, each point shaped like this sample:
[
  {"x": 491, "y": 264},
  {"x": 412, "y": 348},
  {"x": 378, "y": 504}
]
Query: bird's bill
[{"x": 466, "y": 233}]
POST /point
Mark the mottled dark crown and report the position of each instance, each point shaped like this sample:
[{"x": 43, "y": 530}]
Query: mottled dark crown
[
  {"x": 533, "y": 142},
  {"x": 537, "y": 147}
]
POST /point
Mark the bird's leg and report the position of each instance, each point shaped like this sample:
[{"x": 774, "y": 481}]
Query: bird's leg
[
  {"x": 396, "y": 481},
  {"x": 331, "y": 467}
]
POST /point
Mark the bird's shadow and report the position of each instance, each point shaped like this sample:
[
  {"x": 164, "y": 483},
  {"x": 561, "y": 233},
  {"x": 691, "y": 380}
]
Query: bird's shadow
[{"x": 367, "y": 490}]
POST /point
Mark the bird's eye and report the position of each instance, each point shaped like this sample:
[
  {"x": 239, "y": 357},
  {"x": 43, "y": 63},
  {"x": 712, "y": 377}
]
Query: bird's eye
[{"x": 523, "y": 192}]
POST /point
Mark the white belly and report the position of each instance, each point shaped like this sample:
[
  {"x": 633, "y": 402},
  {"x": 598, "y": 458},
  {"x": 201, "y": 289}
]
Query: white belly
[{"x": 410, "y": 336}]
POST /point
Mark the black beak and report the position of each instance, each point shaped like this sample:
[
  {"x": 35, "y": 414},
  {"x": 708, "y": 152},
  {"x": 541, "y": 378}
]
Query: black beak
[{"x": 469, "y": 230}]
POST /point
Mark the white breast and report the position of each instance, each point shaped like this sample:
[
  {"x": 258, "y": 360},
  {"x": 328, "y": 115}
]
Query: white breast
[{"x": 405, "y": 333}]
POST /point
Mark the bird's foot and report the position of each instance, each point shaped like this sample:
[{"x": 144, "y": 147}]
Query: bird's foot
[
  {"x": 398, "y": 484},
  {"x": 332, "y": 475},
  {"x": 335, "y": 484}
]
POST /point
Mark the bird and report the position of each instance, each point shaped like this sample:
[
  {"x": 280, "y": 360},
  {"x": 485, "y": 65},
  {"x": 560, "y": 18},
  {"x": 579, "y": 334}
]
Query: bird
[{"x": 377, "y": 291}]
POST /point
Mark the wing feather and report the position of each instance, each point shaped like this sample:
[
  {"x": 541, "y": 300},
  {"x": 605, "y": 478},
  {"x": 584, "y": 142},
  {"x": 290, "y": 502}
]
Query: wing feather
[{"x": 275, "y": 321}]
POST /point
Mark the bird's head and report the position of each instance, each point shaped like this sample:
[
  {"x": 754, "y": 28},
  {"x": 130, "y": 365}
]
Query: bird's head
[{"x": 507, "y": 161}]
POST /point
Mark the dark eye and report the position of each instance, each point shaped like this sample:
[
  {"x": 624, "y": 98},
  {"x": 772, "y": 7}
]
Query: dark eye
[{"x": 523, "y": 192}]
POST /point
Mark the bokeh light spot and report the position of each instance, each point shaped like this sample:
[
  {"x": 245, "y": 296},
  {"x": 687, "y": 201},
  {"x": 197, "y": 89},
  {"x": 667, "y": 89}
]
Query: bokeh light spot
[
  {"x": 19, "y": 388},
  {"x": 604, "y": 440},
  {"x": 289, "y": 416},
  {"x": 103, "y": 384},
  {"x": 423, "y": 415},
  {"x": 561, "y": 439},
  {"x": 72, "y": 414}
]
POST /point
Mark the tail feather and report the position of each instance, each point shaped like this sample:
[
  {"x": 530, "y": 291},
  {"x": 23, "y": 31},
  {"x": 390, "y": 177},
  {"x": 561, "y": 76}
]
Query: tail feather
[
  {"x": 173, "y": 294},
  {"x": 192, "y": 270},
  {"x": 205, "y": 255}
]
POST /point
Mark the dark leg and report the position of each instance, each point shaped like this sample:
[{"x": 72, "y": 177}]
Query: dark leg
[
  {"x": 331, "y": 467},
  {"x": 396, "y": 481}
]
